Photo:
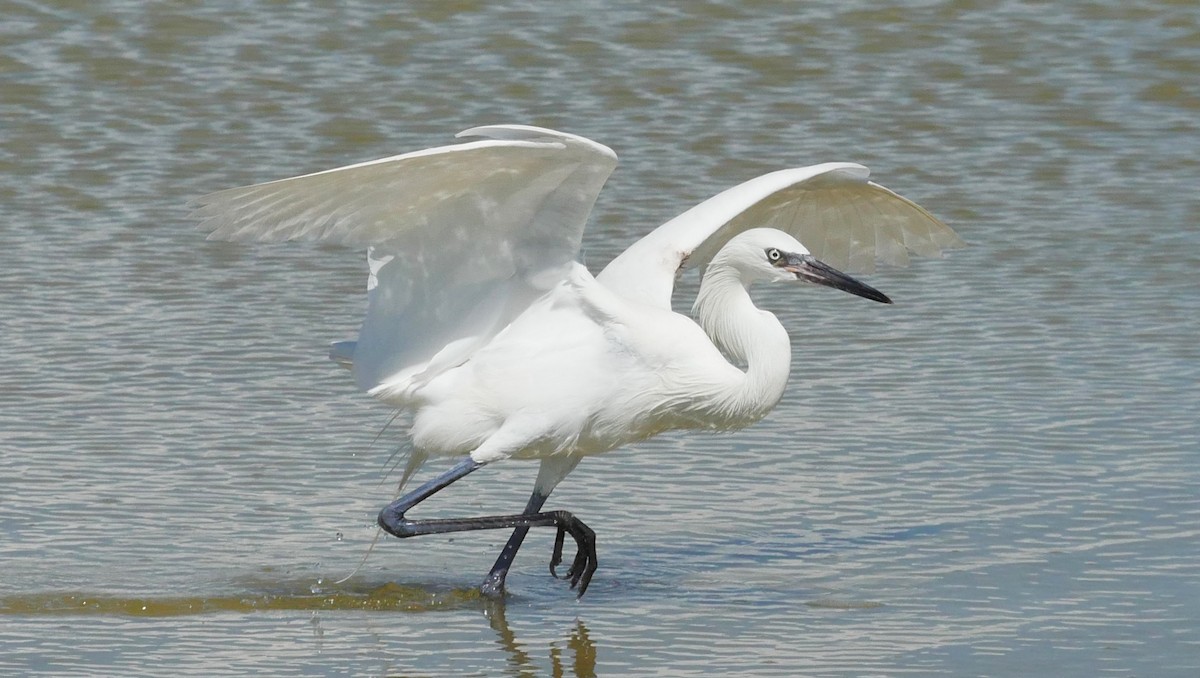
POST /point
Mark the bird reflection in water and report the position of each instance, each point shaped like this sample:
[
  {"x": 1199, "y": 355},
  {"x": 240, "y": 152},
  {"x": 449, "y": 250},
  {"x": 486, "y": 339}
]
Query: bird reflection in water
[{"x": 580, "y": 659}]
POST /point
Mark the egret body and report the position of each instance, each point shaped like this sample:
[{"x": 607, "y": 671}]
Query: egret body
[{"x": 481, "y": 322}]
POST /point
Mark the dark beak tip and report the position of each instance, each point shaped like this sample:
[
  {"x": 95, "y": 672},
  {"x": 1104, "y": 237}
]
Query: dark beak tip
[{"x": 811, "y": 270}]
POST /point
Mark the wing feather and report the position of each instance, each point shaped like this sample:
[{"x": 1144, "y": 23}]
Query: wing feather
[
  {"x": 841, "y": 217},
  {"x": 460, "y": 238}
]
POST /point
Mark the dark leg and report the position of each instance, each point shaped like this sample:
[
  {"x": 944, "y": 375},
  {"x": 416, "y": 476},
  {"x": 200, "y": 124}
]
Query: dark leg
[
  {"x": 392, "y": 520},
  {"x": 493, "y": 584}
]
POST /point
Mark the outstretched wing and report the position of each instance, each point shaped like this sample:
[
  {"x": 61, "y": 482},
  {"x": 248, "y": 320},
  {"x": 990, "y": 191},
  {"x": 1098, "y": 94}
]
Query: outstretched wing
[
  {"x": 832, "y": 209},
  {"x": 460, "y": 239}
]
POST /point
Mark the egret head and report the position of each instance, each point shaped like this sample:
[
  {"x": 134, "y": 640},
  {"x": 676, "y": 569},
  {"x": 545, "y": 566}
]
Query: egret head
[{"x": 770, "y": 255}]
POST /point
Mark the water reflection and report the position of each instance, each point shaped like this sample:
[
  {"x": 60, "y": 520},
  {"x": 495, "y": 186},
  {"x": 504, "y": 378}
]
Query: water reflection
[
  {"x": 581, "y": 661},
  {"x": 583, "y": 651}
]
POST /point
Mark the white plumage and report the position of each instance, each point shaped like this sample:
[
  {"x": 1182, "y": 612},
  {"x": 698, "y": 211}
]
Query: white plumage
[{"x": 480, "y": 320}]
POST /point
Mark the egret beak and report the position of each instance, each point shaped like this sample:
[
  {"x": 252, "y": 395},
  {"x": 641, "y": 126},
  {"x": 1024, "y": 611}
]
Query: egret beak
[{"x": 807, "y": 268}]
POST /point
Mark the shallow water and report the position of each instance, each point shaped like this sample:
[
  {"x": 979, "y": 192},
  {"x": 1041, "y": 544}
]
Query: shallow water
[{"x": 998, "y": 475}]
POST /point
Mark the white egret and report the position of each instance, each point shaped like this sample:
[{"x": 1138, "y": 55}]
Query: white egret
[{"x": 481, "y": 321}]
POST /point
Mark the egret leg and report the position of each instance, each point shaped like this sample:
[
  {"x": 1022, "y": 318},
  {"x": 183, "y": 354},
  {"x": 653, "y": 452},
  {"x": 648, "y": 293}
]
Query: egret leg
[
  {"x": 493, "y": 584},
  {"x": 392, "y": 520}
]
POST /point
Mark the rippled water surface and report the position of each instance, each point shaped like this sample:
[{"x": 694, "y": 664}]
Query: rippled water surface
[{"x": 998, "y": 475}]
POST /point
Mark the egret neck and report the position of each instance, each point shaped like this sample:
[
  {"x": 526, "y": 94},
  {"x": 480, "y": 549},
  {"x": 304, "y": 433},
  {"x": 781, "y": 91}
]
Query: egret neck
[{"x": 751, "y": 338}]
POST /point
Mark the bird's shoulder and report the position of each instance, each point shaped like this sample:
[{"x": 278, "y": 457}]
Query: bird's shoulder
[{"x": 658, "y": 338}]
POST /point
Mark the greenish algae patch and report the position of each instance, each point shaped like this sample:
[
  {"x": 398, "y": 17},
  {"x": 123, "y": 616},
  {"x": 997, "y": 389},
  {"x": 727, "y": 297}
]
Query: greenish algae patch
[{"x": 384, "y": 598}]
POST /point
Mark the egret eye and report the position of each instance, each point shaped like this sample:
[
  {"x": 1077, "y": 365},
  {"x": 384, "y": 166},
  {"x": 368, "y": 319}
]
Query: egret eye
[{"x": 773, "y": 255}]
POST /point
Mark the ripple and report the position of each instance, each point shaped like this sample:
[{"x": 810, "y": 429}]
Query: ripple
[{"x": 997, "y": 475}]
